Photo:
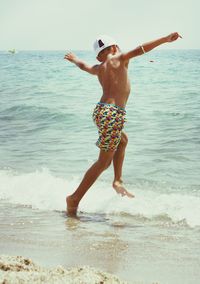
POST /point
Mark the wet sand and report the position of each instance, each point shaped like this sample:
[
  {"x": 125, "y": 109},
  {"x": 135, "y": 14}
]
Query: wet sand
[{"x": 134, "y": 250}]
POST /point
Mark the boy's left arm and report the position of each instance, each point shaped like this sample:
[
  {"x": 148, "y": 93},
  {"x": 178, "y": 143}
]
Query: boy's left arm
[
  {"x": 81, "y": 64},
  {"x": 146, "y": 47}
]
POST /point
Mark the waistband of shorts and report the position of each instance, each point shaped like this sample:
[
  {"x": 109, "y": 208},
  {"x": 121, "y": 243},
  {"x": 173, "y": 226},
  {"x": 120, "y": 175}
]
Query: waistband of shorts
[{"x": 113, "y": 105}]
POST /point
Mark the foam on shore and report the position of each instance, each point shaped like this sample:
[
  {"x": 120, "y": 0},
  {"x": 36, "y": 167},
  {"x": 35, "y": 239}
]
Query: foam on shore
[{"x": 42, "y": 190}]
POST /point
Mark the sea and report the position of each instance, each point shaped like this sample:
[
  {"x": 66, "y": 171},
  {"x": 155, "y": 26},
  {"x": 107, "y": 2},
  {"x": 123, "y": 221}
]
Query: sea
[{"x": 47, "y": 142}]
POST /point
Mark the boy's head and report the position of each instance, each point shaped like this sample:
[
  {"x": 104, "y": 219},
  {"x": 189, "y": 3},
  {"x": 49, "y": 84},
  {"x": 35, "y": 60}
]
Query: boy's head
[{"x": 104, "y": 45}]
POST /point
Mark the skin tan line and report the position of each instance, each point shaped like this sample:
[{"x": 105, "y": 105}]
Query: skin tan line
[{"x": 112, "y": 73}]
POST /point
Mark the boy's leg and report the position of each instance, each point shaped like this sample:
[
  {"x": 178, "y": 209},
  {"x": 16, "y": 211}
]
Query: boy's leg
[
  {"x": 103, "y": 162},
  {"x": 118, "y": 160}
]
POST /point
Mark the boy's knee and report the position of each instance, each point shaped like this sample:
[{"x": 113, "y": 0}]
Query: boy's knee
[
  {"x": 104, "y": 164},
  {"x": 124, "y": 140}
]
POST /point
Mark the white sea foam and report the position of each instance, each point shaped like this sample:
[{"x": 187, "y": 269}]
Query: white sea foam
[{"x": 43, "y": 190}]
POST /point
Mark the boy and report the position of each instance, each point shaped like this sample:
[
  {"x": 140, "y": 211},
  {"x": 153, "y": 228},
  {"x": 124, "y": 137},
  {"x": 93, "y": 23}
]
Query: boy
[{"x": 109, "y": 114}]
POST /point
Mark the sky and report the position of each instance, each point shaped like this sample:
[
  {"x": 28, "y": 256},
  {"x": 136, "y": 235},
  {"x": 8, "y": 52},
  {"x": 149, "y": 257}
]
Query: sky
[{"x": 74, "y": 25}]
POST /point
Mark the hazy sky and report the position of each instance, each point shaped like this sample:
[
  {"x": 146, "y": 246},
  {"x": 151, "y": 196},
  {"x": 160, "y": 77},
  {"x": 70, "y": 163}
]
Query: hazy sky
[{"x": 65, "y": 24}]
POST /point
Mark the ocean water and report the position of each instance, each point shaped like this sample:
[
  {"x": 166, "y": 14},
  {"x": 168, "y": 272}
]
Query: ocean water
[{"x": 47, "y": 142}]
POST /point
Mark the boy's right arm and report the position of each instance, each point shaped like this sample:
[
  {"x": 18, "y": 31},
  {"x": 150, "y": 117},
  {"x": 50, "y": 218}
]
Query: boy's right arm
[
  {"x": 146, "y": 47},
  {"x": 81, "y": 64}
]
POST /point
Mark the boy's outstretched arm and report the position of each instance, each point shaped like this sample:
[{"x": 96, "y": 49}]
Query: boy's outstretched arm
[
  {"x": 81, "y": 64},
  {"x": 146, "y": 47}
]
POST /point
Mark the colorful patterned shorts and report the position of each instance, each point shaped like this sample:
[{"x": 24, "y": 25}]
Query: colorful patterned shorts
[{"x": 110, "y": 120}]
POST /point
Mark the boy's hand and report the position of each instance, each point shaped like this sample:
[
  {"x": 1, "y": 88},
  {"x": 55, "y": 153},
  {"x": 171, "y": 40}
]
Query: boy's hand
[
  {"x": 172, "y": 37},
  {"x": 70, "y": 57}
]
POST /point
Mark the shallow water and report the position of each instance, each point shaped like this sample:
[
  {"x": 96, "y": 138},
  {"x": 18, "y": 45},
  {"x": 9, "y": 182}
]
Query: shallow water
[{"x": 134, "y": 249}]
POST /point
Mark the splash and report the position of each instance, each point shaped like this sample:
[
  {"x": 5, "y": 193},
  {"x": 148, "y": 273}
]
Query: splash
[{"x": 44, "y": 191}]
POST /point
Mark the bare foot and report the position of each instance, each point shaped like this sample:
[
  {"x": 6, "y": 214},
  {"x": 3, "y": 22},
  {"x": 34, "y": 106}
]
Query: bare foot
[
  {"x": 72, "y": 206},
  {"x": 118, "y": 186}
]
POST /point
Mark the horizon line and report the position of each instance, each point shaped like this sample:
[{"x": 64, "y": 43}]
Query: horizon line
[{"x": 7, "y": 50}]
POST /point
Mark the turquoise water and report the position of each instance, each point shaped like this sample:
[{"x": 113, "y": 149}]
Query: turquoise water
[
  {"x": 46, "y": 106},
  {"x": 47, "y": 142}
]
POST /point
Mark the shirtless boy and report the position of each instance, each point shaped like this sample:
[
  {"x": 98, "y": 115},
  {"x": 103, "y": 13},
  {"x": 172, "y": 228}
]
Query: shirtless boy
[{"x": 109, "y": 114}]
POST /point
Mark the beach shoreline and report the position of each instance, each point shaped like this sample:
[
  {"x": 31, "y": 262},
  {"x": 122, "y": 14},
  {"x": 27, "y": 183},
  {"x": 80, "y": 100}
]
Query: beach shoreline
[{"x": 134, "y": 250}]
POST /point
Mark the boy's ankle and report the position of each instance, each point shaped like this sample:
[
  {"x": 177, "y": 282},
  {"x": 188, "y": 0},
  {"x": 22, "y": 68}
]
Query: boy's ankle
[
  {"x": 73, "y": 198},
  {"x": 117, "y": 180}
]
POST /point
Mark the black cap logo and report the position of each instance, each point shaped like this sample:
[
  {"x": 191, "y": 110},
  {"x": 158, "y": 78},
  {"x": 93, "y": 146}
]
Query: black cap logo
[{"x": 100, "y": 43}]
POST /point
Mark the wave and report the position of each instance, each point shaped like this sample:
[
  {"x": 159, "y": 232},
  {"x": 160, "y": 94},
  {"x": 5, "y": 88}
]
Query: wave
[
  {"x": 34, "y": 113},
  {"x": 42, "y": 190}
]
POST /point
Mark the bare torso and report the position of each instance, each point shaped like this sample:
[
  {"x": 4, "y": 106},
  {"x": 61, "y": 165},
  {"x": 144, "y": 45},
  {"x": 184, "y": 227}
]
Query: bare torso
[{"x": 113, "y": 77}]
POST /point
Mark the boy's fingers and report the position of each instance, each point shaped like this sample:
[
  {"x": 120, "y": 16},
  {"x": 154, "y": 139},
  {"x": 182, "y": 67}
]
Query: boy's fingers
[
  {"x": 67, "y": 53},
  {"x": 66, "y": 57}
]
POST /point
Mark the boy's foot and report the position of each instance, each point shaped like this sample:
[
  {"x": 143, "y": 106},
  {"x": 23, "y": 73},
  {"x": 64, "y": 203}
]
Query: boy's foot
[
  {"x": 120, "y": 189},
  {"x": 72, "y": 206}
]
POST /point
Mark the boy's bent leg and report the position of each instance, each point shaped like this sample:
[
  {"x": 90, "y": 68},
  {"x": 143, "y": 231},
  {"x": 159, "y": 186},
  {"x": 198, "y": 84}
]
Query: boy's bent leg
[
  {"x": 103, "y": 162},
  {"x": 118, "y": 160}
]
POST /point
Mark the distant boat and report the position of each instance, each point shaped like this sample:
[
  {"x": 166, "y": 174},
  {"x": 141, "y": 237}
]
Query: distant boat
[{"x": 12, "y": 51}]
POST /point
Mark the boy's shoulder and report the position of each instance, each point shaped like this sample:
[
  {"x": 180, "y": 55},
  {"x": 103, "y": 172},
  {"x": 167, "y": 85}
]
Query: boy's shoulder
[{"x": 117, "y": 58}]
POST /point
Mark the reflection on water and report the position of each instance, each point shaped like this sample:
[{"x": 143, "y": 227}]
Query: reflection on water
[{"x": 98, "y": 243}]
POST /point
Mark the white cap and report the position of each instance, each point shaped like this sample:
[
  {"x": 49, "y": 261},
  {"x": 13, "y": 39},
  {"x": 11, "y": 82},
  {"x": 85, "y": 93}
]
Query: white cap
[{"x": 102, "y": 42}]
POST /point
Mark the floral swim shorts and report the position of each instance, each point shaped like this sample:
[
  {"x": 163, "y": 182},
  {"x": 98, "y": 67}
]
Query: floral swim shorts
[{"x": 110, "y": 120}]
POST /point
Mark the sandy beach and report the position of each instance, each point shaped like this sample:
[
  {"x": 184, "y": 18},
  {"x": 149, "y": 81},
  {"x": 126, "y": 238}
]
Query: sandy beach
[{"x": 17, "y": 270}]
